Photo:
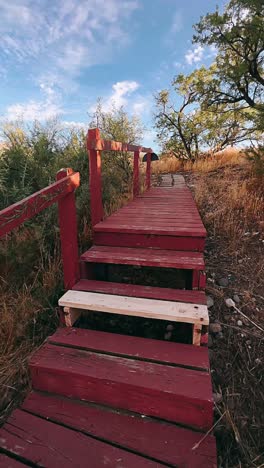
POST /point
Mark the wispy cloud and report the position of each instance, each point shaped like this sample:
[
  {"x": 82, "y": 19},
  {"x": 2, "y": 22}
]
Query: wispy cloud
[
  {"x": 194, "y": 55},
  {"x": 49, "y": 106},
  {"x": 119, "y": 95},
  {"x": 174, "y": 28},
  {"x": 177, "y": 22},
  {"x": 64, "y": 35}
]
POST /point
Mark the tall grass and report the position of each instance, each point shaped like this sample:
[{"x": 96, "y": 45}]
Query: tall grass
[{"x": 206, "y": 163}]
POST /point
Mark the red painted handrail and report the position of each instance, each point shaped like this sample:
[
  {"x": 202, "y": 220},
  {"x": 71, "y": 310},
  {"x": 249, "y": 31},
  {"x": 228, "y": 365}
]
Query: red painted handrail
[
  {"x": 95, "y": 145},
  {"x": 62, "y": 191}
]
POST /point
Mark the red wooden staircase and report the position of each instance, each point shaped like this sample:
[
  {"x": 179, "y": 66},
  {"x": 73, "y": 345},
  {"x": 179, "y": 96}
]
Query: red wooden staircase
[{"x": 105, "y": 399}]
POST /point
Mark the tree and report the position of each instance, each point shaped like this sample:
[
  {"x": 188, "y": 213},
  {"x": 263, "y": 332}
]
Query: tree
[
  {"x": 193, "y": 128},
  {"x": 115, "y": 124},
  {"x": 238, "y": 36}
]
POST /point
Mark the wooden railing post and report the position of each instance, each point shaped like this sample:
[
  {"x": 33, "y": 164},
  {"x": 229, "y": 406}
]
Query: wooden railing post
[
  {"x": 148, "y": 170},
  {"x": 68, "y": 235},
  {"x": 136, "y": 174},
  {"x": 95, "y": 179}
]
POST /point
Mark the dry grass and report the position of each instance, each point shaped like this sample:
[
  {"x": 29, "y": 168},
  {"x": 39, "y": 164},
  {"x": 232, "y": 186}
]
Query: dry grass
[
  {"x": 229, "y": 157},
  {"x": 27, "y": 317},
  {"x": 166, "y": 165},
  {"x": 231, "y": 201}
]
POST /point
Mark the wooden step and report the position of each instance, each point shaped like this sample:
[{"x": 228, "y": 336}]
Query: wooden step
[
  {"x": 148, "y": 292},
  {"x": 172, "y": 393},
  {"x": 6, "y": 461},
  {"x": 76, "y": 301},
  {"x": 144, "y": 257},
  {"x": 118, "y": 238},
  {"x": 41, "y": 443},
  {"x": 142, "y": 349},
  {"x": 149, "y": 438}
]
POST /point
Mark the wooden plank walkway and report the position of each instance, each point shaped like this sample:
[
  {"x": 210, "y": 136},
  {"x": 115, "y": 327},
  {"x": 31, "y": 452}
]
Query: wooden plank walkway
[
  {"x": 105, "y": 399},
  {"x": 163, "y": 217}
]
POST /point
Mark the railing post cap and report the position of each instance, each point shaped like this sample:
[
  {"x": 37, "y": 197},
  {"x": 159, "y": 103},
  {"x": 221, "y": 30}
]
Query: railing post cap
[
  {"x": 64, "y": 172},
  {"x": 93, "y": 134}
]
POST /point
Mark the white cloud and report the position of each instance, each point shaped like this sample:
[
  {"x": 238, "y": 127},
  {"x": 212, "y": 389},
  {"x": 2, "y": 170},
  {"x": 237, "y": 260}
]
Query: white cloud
[
  {"x": 75, "y": 125},
  {"x": 64, "y": 35},
  {"x": 119, "y": 96},
  {"x": 46, "y": 108},
  {"x": 32, "y": 110},
  {"x": 194, "y": 55}
]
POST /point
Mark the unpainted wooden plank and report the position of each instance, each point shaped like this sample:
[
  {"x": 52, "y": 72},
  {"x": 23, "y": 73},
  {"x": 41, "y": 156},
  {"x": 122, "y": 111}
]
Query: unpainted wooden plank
[
  {"x": 71, "y": 316},
  {"x": 176, "y": 354},
  {"x": 134, "y": 306},
  {"x": 51, "y": 445},
  {"x": 197, "y": 330},
  {"x": 172, "y": 393},
  {"x": 159, "y": 440}
]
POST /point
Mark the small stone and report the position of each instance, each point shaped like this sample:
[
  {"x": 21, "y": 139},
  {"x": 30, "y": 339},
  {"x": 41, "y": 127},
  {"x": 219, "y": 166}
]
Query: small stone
[
  {"x": 210, "y": 342},
  {"x": 240, "y": 260},
  {"x": 215, "y": 328},
  {"x": 217, "y": 397},
  {"x": 220, "y": 336},
  {"x": 236, "y": 298},
  {"x": 240, "y": 323},
  {"x": 258, "y": 361},
  {"x": 168, "y": 336},
  {"x": 210, "y": 302},
  {"x": 229, "y": 302},
  {"x": 170, "y": 328},
  {"x": 223, "y": 282}
]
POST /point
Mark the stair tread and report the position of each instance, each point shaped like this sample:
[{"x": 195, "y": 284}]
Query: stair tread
[
  {"x": 135, "y": 290},
  {"x": 42, "y": 443},
  {"x": 145, "y": 257},
  {"x": 135, "y": 306},
  {"x": 162, "y": 441},
  {"x": 151, "y": 350},
  {"x": 171, "y": 393}
]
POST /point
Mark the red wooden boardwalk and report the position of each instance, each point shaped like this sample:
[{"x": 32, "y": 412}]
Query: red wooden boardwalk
[
  {"x": 106, "y": 399},
  {"x": 165, "y": 218}
]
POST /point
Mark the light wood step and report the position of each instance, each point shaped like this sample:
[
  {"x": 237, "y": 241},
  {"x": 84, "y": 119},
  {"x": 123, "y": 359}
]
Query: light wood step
[{"x": 74, "y": 302}]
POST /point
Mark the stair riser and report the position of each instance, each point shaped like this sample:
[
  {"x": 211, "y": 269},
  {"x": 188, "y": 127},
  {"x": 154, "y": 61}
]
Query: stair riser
[
  {"x": 191, "y": 244},
  {"x": 194, "y": 280},
  {"x": 175, "y": 408}
]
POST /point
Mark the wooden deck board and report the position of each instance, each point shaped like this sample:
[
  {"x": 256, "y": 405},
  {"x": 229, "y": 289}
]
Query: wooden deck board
[
  {"x": 134, "y": 306},
  {"x": 8, "y": 462},
  {"x": 159, "y": 440},
  {"x": 51, "y": 445},
  {"x": 145, "y": 257},
  {"x": 169, "y": 242},
  {"x": 160, "y": 352},
  {"x": 171, "y": 393}
]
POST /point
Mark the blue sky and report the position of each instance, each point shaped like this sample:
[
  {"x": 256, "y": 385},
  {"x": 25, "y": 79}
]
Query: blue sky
[{"x": 58, "y": 56}]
